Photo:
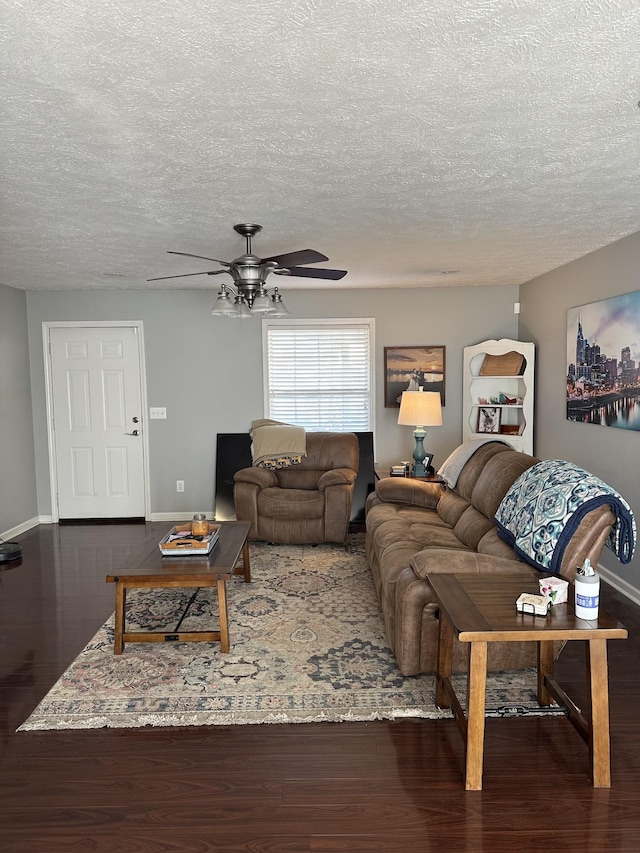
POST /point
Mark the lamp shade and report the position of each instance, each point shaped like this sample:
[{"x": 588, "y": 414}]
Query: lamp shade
[
  {"x": 420, "y": 408},
  {"x": 262, "y": 303},
  {"x": 223, "y": 306}
]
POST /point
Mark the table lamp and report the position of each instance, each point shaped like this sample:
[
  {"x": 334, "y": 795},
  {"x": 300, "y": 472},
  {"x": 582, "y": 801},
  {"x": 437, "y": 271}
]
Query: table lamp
[{"x": 420, "y": 409}]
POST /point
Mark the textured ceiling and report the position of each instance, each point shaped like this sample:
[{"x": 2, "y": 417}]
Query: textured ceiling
[{"x": 491, "y": 139}]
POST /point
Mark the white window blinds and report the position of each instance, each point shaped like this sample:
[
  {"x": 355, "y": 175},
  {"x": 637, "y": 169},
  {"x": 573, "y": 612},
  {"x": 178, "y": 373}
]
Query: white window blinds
[{"x": 319, "y": 374}]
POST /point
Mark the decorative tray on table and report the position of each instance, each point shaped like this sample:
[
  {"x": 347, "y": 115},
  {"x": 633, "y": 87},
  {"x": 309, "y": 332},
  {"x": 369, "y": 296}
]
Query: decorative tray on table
[{"x": 179, "y": 541}]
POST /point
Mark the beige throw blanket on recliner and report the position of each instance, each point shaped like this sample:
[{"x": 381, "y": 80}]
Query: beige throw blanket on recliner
[{"x": 277, "y": 445}]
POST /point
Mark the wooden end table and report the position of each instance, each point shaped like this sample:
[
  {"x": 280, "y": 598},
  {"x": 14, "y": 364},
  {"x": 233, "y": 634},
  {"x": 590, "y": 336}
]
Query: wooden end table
[
  {"x": 384, "y": 473},
  {"x": 214, "y": 570},
  {"x": 480, "y": 609}
]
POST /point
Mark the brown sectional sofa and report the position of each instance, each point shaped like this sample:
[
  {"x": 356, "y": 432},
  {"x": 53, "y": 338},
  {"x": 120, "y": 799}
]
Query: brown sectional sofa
[{"x": 414, "y": 529}]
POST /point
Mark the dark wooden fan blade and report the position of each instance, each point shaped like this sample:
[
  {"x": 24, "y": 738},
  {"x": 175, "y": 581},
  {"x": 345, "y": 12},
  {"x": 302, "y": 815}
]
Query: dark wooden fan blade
[
  {"x": 304, "y": 256},
  {"x": 186, "y": 274},
  {"x": 202, "y": 257},
  {"x": 310, "y": 272}
]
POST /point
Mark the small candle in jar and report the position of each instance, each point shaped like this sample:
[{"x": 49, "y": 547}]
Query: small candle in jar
[{"x": 199, "y": 525}]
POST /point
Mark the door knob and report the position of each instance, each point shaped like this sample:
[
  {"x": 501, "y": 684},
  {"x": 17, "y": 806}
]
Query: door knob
[{"x": 135, "y": 432}]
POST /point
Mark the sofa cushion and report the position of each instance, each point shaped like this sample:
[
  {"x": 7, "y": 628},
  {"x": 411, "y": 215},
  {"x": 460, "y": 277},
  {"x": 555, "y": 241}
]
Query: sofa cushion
[
  {"x": 416, "y": 536},
  {"x": 298, "y": 478},
  {"x": 381, "y": 513},
  {"x": 493, "y": 545},
  {"x": 496, "y": 478},
  {"x": 473, "y": 469},
  {"x": 451, "y": 507},
  {"x": 291, "y": 504},
  {"x": 406, "y": 490},
  {"x": 434, "y": 561},
  {"x": 471, "y": 527}
]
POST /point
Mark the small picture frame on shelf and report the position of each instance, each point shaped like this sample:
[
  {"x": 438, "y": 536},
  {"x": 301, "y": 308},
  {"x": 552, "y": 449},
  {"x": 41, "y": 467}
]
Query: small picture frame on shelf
[{"x": 489, "y": 419}]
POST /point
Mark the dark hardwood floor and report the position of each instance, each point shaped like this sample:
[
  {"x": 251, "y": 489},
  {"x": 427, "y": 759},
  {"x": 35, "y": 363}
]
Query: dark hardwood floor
[{"x": 378, "y": 787}]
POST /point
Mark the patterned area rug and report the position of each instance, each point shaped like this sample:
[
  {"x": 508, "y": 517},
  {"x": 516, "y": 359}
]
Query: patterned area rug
[{"x": 307, "y": 645}]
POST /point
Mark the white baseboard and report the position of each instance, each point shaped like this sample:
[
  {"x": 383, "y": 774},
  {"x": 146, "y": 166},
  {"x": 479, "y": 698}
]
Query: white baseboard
[
  {"x": 20, "y": 528},
  {"x": 48, "y": 519},
  {"x": 624, "y": 587},
  {"x": 176, "y": 516}
]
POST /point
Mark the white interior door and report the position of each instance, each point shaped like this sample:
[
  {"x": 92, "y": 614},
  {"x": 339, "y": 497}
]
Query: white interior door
[{"x": 96, "y": 401}]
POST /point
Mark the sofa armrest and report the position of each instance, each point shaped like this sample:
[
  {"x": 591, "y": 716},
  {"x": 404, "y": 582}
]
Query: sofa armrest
[
  {"x": 261, "y": 477},
  {"x": 337, "y": 477},
  {"x": 449, "y": 561},
  {"x": 404, "y": 490}
]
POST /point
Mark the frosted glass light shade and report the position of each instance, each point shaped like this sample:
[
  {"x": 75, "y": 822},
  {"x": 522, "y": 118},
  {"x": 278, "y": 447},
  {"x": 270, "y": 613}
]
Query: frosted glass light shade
[
  {"x": 223, "y": 306},
  {"x": 278, "y": 309},
  {"x": 262, "y": 304},
  {"x": 241, "y": 308}
]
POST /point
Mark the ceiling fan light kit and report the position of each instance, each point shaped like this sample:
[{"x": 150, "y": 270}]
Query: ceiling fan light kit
[{"x": 250, "y": 293}]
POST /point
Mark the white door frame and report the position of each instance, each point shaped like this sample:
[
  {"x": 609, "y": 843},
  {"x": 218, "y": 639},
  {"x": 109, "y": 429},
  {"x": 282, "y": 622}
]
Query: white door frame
[{"x": 48, "y": 385}]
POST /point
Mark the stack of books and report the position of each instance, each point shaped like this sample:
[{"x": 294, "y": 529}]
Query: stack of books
[{"x": 398, "y": 471}]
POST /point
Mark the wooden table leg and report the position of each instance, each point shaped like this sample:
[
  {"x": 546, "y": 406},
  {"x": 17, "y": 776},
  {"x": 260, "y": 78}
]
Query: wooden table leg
[
  {"x": 245, "y": 562},
  {"x": 476, "y": 689},
  {"x": 224, "y": 620},
  {"x": 121, "y": 601},
  {"x": 545, "y": 667},
  {"x": 445, "y": 656},
  {"x": 599, "y": 746}
]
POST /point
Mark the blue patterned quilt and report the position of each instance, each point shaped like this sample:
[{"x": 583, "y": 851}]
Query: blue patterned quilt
[{"x": 543, "y": 508}]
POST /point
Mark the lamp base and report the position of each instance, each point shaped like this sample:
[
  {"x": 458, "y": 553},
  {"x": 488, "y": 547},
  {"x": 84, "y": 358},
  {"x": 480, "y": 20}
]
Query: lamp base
[{"x": 419, "y": 453}]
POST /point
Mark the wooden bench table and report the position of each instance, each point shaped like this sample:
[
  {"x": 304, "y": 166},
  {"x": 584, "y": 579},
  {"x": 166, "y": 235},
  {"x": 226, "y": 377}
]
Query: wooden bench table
[{"x": 215, "y": 569}]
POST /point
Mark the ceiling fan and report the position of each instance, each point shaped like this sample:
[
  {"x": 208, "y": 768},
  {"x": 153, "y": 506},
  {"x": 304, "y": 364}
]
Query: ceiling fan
[{"x": 250, "y": 273}]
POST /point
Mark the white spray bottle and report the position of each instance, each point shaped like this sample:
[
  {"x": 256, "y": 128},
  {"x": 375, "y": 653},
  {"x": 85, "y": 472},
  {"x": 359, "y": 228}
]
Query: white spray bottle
[{"x": 587, "y": 587}]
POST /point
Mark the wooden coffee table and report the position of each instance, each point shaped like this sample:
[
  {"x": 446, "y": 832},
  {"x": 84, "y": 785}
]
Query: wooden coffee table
[
  {"x": 161, "y": 572},
  {"x": 480, "y": 609}
]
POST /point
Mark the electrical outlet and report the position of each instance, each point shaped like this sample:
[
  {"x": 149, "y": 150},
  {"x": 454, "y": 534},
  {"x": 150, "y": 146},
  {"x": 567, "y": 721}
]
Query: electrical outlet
[
  {"x": 158, "y": 413},
  {"x": 179, "y": 485}
]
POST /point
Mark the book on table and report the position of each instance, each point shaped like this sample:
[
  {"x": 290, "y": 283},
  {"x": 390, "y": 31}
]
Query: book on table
[{"x": 179, "y": 541}]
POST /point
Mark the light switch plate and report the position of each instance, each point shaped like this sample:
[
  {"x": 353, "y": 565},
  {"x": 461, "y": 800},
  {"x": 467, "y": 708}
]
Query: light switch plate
[{"x": 158, "y": 413}]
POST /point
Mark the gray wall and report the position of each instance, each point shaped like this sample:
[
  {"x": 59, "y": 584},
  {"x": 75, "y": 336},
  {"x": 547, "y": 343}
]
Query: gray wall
[
  {"x": 18, "y": 504},
  {"x": 207, "y": 370},
  {"x": 208, "y": 373},
  {"x": 609, "y": 453}
]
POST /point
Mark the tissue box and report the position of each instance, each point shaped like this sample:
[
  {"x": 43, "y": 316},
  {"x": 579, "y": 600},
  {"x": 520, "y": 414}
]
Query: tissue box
[{"x": 555, "y": 588}]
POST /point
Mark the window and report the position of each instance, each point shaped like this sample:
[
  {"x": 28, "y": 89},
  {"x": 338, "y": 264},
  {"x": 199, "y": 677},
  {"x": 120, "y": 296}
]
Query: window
[{"x": 318, "y": 373}]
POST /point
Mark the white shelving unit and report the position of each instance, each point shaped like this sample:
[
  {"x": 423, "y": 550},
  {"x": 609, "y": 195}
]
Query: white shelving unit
[{"x": 510, "y": 396}]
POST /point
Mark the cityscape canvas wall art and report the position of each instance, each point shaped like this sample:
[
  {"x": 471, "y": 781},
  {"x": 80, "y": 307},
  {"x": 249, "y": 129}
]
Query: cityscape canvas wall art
[{"x": 603, "y": 362}]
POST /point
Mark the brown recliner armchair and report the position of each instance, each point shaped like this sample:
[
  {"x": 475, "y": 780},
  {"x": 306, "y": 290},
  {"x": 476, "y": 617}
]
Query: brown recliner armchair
[{"x": 307, "y": 503}]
